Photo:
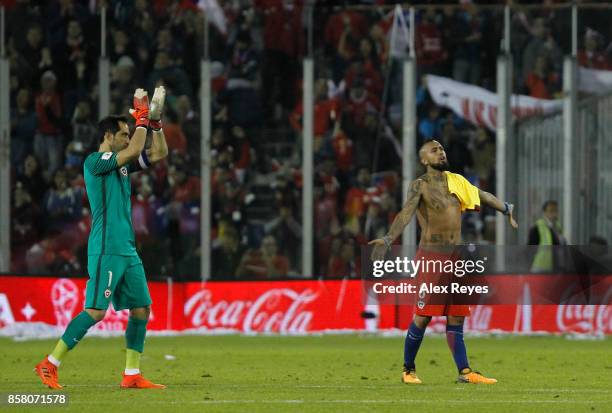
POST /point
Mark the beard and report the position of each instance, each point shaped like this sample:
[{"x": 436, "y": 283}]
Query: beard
[{"x": 442, "y": 166}]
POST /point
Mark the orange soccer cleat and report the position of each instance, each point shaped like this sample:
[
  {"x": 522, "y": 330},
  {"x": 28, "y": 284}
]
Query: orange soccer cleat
[
  {"x": 136, "y": 381},
  {"x": 474, "y": 377},
  {"x": 47, "y": 372},
  {"x": 409, "y": 377}
]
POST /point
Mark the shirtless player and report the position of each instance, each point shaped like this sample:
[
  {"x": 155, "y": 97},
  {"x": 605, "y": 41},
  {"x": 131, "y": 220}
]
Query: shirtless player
[{"x": 438, "y": 197}]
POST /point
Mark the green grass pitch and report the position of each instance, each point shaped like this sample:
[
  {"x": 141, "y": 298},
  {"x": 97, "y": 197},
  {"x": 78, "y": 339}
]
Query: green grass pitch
[{"x": 322, "y": 373}]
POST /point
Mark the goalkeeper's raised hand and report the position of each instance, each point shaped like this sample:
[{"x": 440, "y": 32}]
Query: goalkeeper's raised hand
[
  {"x": 140, "y": 112},
  {"x": 157, "y": 107}
]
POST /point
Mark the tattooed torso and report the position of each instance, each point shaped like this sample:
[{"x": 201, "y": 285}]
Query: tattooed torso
[{"x": 438, "y": 213}]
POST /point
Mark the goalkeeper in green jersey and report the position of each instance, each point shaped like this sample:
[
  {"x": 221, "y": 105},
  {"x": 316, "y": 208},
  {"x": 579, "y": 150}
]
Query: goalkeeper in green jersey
[{"x": 115, "y": 270}]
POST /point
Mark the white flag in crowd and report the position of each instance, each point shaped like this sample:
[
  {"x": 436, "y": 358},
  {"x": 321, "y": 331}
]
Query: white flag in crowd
[
  {"x": 215, "y": 14},
  {"x": 594, "y": 81},
  {"x": 399, "y": 42},
  {"x": 479, "y": 106}
]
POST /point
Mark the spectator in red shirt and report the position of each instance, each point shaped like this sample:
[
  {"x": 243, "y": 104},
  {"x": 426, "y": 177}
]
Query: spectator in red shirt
[
  {"x": 264, "y": 262},
  {"x": 380, "y": 36},
  {"x": 184, "y": 188},
  {"x": 430, "y": 51},
  {"x": 173, "y": 131},
  {"x": 541, "y": 82},
  {"x": 283, "y": 46},
  {"x": 326, "y": 212},
  {"x": 326, "y": 175},
  {"x": 369, "y": 55},
  {"x": 344, "y": 264},
  {"x": 380, "y": 214},
  {"x": 338, "y": 23},
  {"x": 48, "y": 142},
  {"x": 325, "y": 111},
  {"x": 359, "y": 103},
  {"x": 591, "y": 56},
  {"x": 357, "y": 196},
  {"x": 343, "y": 149},
  {"x": 342, "y": 34},
  {"x": 366, "y": 72},
  {"x": 542, "y": 43}
]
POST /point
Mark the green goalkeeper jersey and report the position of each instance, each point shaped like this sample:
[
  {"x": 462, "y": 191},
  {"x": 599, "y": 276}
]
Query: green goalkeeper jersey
[{"x": 109, "y": 190}]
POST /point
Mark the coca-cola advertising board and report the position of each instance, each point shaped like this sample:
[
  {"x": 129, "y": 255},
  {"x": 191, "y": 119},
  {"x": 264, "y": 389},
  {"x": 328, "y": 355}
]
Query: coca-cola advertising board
[
  {"x": 274, "y": 307},
  {"x": 283, "y": 307}
]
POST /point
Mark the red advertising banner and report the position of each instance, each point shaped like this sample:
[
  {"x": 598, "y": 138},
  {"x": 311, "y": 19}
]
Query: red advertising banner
[
  {"x": 55, "y": 301},
  {"x": 285, "y": 307},
  {"x": 280, "y": 307}
]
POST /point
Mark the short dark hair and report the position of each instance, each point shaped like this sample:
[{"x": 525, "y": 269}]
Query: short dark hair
[
  {"x": 109, "y": 124},
  {"x": 425, "y": 142},
  {"x": 549, "y": 202}
]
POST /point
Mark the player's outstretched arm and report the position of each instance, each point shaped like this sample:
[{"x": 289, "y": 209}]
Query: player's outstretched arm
[
  {"x": 504, "y": 207},
  {"x": 381, "y": 245},
  {"x": 138, "y": 139}
]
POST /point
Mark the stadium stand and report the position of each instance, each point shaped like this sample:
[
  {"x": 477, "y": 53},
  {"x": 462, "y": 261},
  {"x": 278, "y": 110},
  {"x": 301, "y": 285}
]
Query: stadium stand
[{"x": 257, "y": 112}]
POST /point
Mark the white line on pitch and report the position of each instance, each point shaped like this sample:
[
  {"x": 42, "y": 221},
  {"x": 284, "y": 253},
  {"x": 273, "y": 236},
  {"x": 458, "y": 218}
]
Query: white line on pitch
[
  {"x": 345, "y": 401},
  {"x": 459, "y": 387}
]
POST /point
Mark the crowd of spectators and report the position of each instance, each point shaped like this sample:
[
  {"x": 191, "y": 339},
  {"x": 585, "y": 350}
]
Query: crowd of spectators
[{"x": 53, "y": 47}]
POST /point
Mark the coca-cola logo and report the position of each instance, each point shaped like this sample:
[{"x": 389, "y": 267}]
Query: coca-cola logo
[
  {"x": 279, "y": 310},
  {"x": 585, "y": 318},
  {"x": 578, "y": 318}
]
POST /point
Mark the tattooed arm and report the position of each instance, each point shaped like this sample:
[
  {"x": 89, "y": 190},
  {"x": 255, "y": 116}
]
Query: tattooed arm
[
  {"x": 405, "y": 215},
  {"x": 399, "y": 223},
  {"x": 491, "y": 200}
]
